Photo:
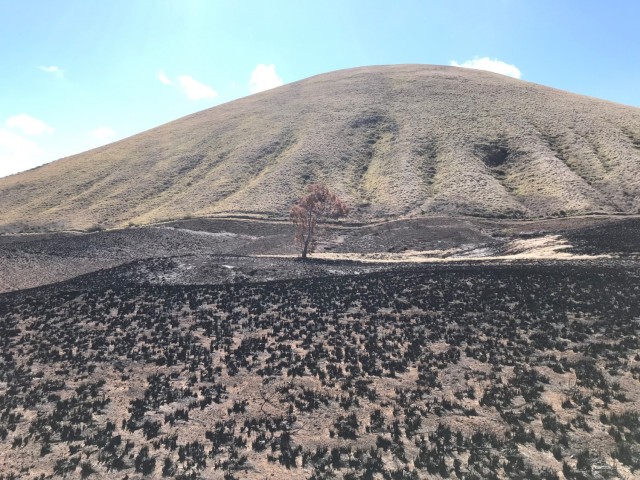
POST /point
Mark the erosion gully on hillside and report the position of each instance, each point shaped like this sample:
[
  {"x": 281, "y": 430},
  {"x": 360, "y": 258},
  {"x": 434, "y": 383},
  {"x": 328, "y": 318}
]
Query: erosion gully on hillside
[{"x": 180, "y": 359}]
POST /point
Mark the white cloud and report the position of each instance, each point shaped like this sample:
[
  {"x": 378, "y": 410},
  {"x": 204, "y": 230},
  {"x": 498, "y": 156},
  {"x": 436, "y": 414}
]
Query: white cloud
[
  {"x": 163, "y": 78},
  {"x": 18, "y": 153},
  {"x": 103, "y": 133},
  {"x": 28, "y": 125},
  {"x": 57, "y": 71},
  {"x": 194, "y": 89},
  {"x": 491, "y": 65},
  {"x": 264, "y": 77}
]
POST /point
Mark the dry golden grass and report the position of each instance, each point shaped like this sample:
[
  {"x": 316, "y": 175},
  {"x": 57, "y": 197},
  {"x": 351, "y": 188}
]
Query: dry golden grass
[
  {"x": 546, "y": 247},
  {"x": 405, "y": 140}
]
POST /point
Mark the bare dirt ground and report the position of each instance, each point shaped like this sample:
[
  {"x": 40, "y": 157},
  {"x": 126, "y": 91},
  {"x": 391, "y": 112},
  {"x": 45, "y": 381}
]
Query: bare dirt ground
[{"x": 202, "y": 349}]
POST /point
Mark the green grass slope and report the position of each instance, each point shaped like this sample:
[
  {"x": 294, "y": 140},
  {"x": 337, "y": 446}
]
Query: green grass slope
[{"x": 406, "y": 140}]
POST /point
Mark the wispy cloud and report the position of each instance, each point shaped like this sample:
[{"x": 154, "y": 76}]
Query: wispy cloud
[
  {"x": 53, "y": 69},
  {"x": 491, "y": 65},
  {"x": 28, "y": 125},
  {"x": 264, "y": 77},
  {"x": 163, "y": 78},
  {"x": 103, "y": 133},
  {"x": 194, "y": 89}
]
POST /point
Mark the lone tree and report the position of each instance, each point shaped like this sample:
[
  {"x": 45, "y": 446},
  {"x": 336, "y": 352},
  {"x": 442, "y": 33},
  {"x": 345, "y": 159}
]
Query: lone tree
[{"x": 317, "y": 205}]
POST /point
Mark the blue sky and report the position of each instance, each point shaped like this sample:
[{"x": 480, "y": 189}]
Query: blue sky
[{"x": 77, "y": 74}]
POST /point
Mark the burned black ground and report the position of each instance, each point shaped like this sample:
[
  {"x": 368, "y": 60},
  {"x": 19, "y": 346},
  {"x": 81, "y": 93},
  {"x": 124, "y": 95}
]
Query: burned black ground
[
  {"x": 215, "y": 250},
  {"x": 467, "y": 371}
]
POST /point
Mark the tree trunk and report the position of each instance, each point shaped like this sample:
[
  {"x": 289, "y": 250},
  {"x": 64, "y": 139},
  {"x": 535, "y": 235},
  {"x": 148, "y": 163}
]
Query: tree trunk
[{"x": 307, "y": 239}]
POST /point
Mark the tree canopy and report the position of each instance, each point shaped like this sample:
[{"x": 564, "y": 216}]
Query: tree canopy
[{"x": 317, "y": 205}]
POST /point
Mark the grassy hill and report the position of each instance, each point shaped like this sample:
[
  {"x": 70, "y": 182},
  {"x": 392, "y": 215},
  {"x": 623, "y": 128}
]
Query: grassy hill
[{"x": 407, "y": 140}]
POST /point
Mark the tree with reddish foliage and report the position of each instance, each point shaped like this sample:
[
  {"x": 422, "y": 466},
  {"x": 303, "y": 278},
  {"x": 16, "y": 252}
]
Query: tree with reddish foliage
[{"x": 317, "y": 205}]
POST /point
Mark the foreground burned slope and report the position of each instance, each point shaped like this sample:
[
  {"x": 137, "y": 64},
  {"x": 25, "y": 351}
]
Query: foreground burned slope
[{"x": 468, "y": 372}]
